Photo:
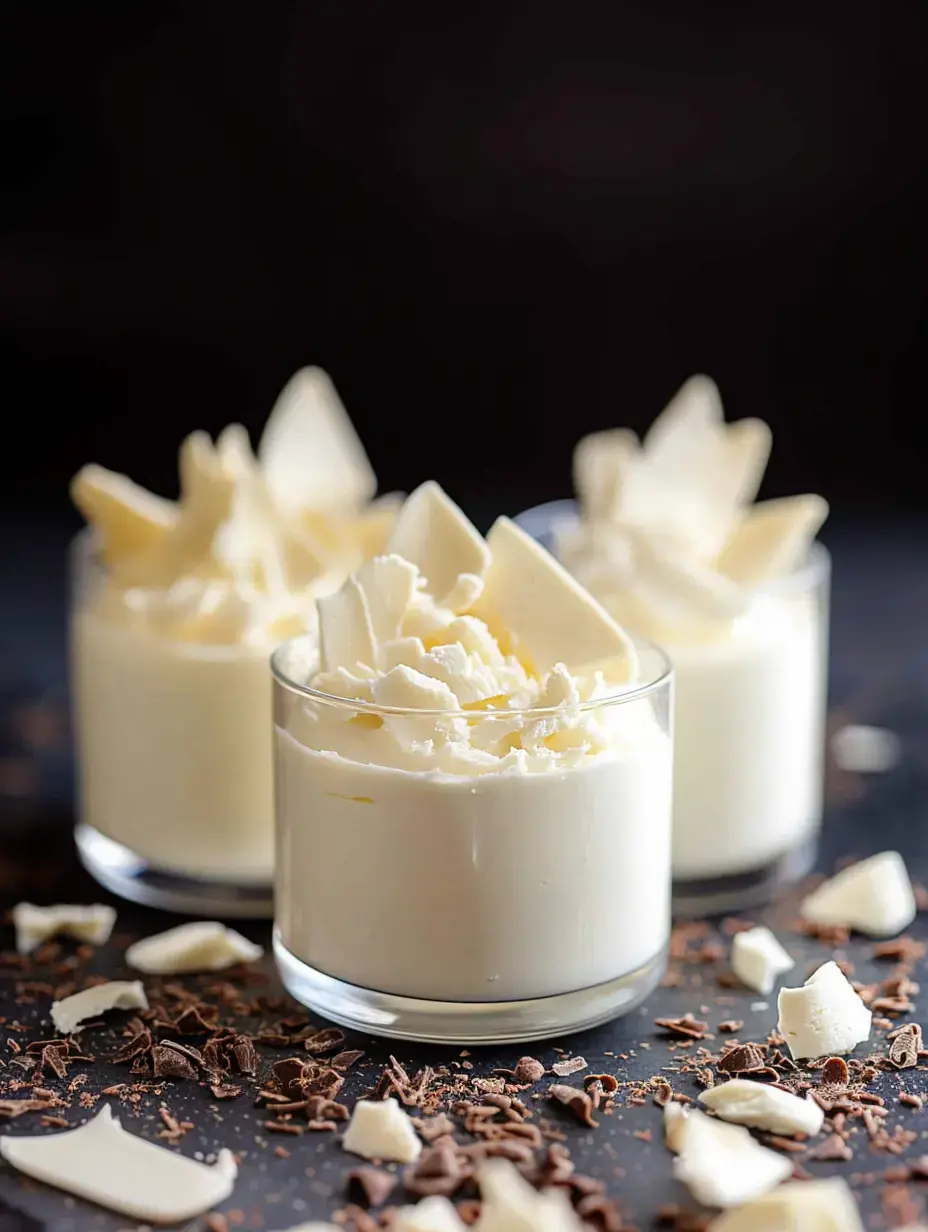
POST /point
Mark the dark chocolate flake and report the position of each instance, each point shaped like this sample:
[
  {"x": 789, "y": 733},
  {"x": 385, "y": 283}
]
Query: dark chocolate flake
[
  {"x": 742, "y": 1059},
  {"x": 245, "y": 1055},
  {"x": 369, "y": 1186},
  {"x": 687, "y": 1027},
  {"x": 324, "y": 1041},
  {"x": 344, "y": 1060},
  {"x": 169, "y": 1062},
  {"x": 834, "y": 1072},
  {"x": 832, "y": 1149},
  {"x": 906, "y": 1045},
  {"x": 224, "y": 1090}
]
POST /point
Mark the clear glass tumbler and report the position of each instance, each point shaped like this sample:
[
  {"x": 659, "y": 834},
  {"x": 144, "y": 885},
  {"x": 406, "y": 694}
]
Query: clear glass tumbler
[
  {"x": 507, "y": 904},
  {"x": 174, "y": 759}
]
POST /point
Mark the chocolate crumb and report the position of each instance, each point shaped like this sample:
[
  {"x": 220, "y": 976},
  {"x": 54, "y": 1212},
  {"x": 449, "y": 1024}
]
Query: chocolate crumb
[
  {"x": 224, "y": 1090},
  {"x": 369, "y": 1186},
  {"x": 577, "y": 1101},
  {"x": 910, "y": 1100},
  {"x": 742, "y": 1059},
  {"x": 528, "y": 1070},
  {"x": 832, "y": 1149},
  {"x": 169, "y": 1062},
  {"x": 731, "y": 1025},
  {"x": 906, "y": 1045}
]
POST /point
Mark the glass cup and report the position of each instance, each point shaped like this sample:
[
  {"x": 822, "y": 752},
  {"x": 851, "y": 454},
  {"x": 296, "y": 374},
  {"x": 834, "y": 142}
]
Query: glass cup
[
  {"x": 174, "y": 760},
  {"x": 749, "y": 738},
  {"x": 492, "y": 906}
]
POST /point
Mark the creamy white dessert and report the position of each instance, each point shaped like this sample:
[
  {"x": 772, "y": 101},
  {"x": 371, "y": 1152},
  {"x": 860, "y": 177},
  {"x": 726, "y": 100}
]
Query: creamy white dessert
[
  {"x": 178, "y": 608},
  {"x": 473, "y": 777},
  {"x": 671, "y": 544}
]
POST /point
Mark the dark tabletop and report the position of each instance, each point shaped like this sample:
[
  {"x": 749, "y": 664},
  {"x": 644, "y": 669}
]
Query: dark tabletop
[{"x": 879, "y": 676}]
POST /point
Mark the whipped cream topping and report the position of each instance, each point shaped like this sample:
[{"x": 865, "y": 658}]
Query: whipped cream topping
[
  {"x": 496, "y": 673},
  {"x": 670, "y": 538},
  {"x": 241, "y": 557}
]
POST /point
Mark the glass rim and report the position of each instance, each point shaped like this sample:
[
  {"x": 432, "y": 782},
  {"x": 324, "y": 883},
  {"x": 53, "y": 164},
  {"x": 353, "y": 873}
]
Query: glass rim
[{"x": 658, "y": 681}]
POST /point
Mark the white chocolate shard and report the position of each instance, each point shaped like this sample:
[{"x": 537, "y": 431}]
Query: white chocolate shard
[
  {"x": 773, "y": 539},
  {"x": 434, "y": 1214},
  {"x": 380, "y": 1129},
  {"x": 70, "y": 1014},
  {"x": 861, "y": 749},
  {"x": 205, "y": 945},
  {"x": 722, "y": 1165},
  {"x": 874, "y": 896},
  {"x": 128, "y": 519},
  {"x": 758, "y": 959},
  {"x": 433, "y": 533},
  {"x": 692, "y": 416},
  {"x": 35, "y": 925},
  {"x": 408, "y": 689},
  {"x": 759, "y": 1106},
  {"x": 104, "y": 1163},
  {"x": 346, "y": 637},
  {"x": 388, "y": 584},
  {"x": 310, "y": 454},
  {"x": 597, "y": 470},
  {"x": 800, "y": 1206},
  {"x": 675, "y": 1118},
  {"x": 510, "y": 1204},
  {"x": 748, "y": 444},
  {"x": 824, "y": 1017},
  {"x": 548, "y": 614}
]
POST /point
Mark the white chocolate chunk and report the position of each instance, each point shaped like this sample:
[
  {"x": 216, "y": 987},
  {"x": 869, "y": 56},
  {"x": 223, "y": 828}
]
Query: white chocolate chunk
[
  {"x": 103, "y": 1163},
  {"x": 597, "y": 470},
  {"x": 800, "y": 1206},
  {"x": 408, "y": 689},
  {"x": 548, "y": 614},
  {"x": 463, "y": 594},
  {"x": 388, "y": 584},
  {"x": 346, "y": 637},
  {"x": 760, "y": 1106},
  {"x": 434, "y": 1214},
  {"x": 380, "y": 1129},
  {"x": 823, "y": 1017},
  {"x": 433, "y": 533},
  {"x": 747, "y": 446},
  {"x": 70, "y": 1014},
  {"x": 862, "y": 749},
  {"x": 34, "y": 925},
  {"x": 758, "y": 959},
  {"x": 205, "y": 945},
  {"x": 675, "y": 1118},
  {"x": 510, "y": 1204},
  {"x": 773, "y": 539},
  {"x": 311, "y": 456},
  {"x": 722, "y": 1165},
  {"x": 874, "y": 896},
  {"x": 693, "y": 416},
  {"x": 128, "y": 519}
]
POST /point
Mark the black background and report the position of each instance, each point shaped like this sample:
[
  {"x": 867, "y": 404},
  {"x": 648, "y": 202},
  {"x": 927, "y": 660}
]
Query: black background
[{"x": 497, "y": 226}]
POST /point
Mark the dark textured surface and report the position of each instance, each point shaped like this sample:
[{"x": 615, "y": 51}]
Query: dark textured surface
[{"x": 880, "y": 675}]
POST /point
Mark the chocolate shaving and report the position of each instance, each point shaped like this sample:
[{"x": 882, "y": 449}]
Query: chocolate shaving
[
  {"x": 528, "y": 1070},
  {"x": 224, "y": 1090},
  {"x": 324, "y": 1041},
  {"x": 569, "y": 1066},
  {"x": 139, "y": 1043},
  {"x": 834, "y": 1072},
  {"x": 12, "y": 1108},
  {"x": 245, "y": 1055},
  {"x": 192, "y": 1021},
  {"x": 369, "y": 1186},
  {"x": 742, "y": 1059},
  {"x": 906, "y": 1045},
  {"x": 832, "y": 1149},
  {"x": 600, "y": 1211},
  {"x": 437, "y": 1171},
  {"x": 344, "y": 1060},
  {"x": 577, "y": 1101},
  {"x": 901, "y": 949},
  {"x": 686, "y": 1027},
  {"x": 289, "y": 1073},
  {"x": 54, "y": 1058},
  {"x": 434, "y": 1127},
  {"x": 169, "y": 1062},
  {"x": 730, "y": 1025}
]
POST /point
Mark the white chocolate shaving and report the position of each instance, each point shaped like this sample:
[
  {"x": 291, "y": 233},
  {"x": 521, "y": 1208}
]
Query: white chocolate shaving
[
  {"x": 103, "y": 1163},
  {"x": 760, "y": 1106},
  {"x": 202, "y": 946},
  {"x": 35, "y": 925},
  {"x": 72, "y": 1012}
]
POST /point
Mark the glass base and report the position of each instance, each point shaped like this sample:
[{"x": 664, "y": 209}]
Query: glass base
[
  {"x": 464, "y": 1022},
  {"x": 124, "y": 873},
  {"x": 736, "y": 891}
]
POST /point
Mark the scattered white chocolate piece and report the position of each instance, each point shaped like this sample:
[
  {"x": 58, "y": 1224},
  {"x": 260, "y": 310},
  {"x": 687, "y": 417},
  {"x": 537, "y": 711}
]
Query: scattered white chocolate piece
[
  {"x": 800, "y": 1206},
  {"x": 874, "y": 896},
  {"x": 102, "y": 1162},
  {"x": 434, "y": 1214},
  {"x": 823, "y": 1017},
  {"x": 860, "y": 749},
  {"x": 760, "y": 1106},
  {"x": 205, "y": 945},
  {"x": 70, "y": 1014},
  {"x": 510, "y": 1204},
  {"x": 309, "y": 450},
  {"x": 757, "y": 958},
  {"x": 551, "y": 617},
  {"x": 35, "y": 925},
  {"x": 675, "y": 1116},
  {"x": 380, "y": 1129},
  {"x": 722, "y": 1165},
  {"x": 432, "y": 533}
]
